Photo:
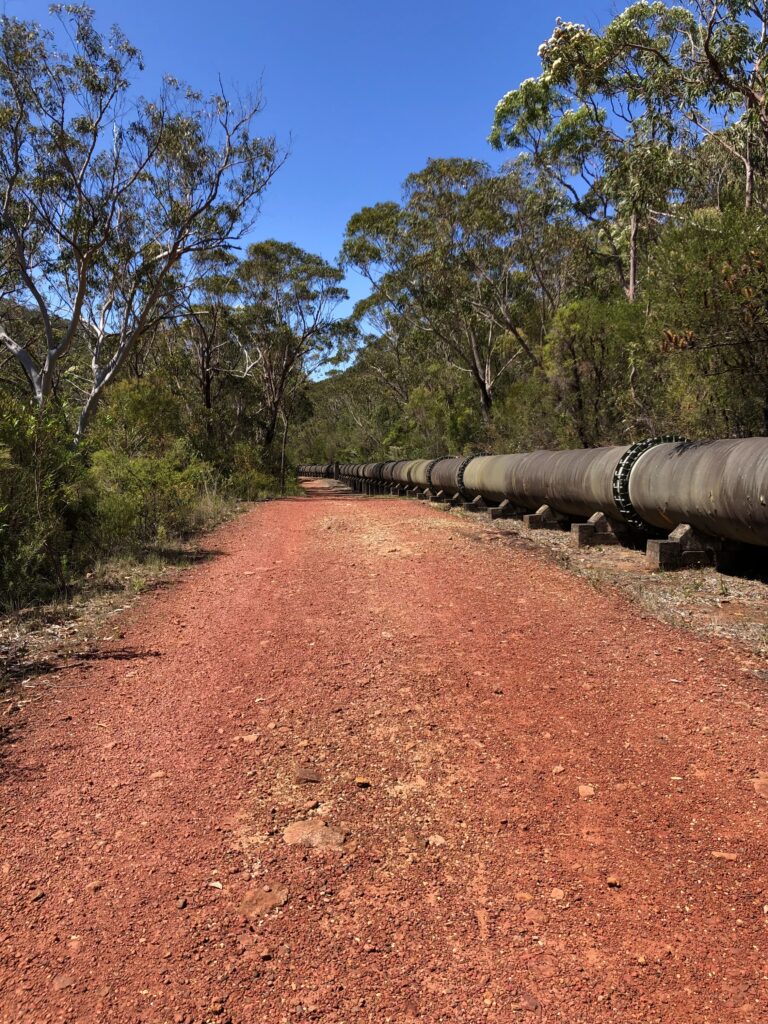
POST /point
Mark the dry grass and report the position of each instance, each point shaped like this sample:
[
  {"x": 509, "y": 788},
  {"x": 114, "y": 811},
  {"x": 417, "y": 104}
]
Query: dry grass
[{"x": 41, "y": 639}]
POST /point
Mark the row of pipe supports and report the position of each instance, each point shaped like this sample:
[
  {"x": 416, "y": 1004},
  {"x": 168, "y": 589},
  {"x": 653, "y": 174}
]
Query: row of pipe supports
[{"x": 684, "y": 548}]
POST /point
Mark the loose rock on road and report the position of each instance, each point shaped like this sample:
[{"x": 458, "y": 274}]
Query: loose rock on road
[{"x": 373, "y": 762}]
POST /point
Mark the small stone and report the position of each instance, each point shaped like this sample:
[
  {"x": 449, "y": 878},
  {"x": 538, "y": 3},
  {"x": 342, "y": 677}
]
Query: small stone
[
  {"x": 585, "y": 792},
  {"x": 215, "y": 885},
  {"x": 534, "y": 916},
  {"x": 435, "y": 840},
  {"x": 181, "y": 903},
  {"x": 721, "y": 855},
  {"x": 526, "y": 1003},
  {"x": 761, "y": 786},
  {"x": 94, "y": 886},
  {"x": 307, "y": 775},
  {"x": 613, "y": 882},
  {"x": 62, "y": 981},
  {"x": 558, "y": 769},
  {"x": 315, "y": 832},
  {"x": 265, "y": 954},
  {"x": 157, "y": 775},
  {"x": 252, "y": 737},
  {"x": 361, "y": 782},
  {"x": 557, "y": 894},
  {"x": 37, "y": 896},
  {"x": 256, "y": 902},
  {"x": 523, "y": 897}
]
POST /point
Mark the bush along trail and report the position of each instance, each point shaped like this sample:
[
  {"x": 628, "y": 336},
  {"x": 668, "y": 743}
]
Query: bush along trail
[{"x": 365, "y": 765}]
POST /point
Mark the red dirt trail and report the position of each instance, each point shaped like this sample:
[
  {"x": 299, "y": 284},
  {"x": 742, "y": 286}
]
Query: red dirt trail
[{"x": 532, "y": 802}]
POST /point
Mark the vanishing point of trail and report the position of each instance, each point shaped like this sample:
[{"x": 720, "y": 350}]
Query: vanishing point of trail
[{"x": 373, "y": 762}]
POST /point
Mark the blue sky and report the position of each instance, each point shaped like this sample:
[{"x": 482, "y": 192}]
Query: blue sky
[{"x": 363, "y": 92}]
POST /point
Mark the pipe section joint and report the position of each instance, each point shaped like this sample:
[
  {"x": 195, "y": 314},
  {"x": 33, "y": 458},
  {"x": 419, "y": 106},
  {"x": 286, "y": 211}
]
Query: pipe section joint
[{"x": 623, "y": 472}]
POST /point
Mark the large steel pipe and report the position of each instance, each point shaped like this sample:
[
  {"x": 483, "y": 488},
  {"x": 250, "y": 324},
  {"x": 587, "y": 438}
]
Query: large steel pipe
[
  {"x": 444, "y": 475},
  {"x": 417, "y": 473},
  {"x": 573, "y": 483},
  {"x": 718, "y": 487}
]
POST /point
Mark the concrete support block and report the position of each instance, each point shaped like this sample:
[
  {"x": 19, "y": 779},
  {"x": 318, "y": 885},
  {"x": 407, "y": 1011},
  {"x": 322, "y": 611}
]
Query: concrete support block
[
  {"x": 543, "y": 518},
  {"x": 506, "y": 510},
  {"x": 476, "y": 505},
  {"x": 598, "y": 529},
  {"x": 685, "y": 548}
]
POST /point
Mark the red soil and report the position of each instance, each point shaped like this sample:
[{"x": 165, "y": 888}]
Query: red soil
[{"x": 454, "y": 697}]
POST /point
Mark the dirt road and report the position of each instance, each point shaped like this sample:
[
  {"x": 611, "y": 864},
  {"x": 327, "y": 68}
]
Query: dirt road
[{"x": 527, "y": 801}]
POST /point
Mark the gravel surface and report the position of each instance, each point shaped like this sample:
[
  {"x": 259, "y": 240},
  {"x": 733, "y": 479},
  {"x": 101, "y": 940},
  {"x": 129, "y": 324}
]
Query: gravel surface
[{"x": 376, "y": 763}]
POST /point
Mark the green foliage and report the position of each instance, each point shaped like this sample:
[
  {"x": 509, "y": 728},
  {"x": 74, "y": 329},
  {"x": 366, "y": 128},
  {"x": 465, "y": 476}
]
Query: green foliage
[
  {"x": 709, "y": 319},
  {"x": 249, "y": 480},
  {"x": 588, "y": 361},
  {"x": 145, "y": 499},
  {"x": 47, "y": 505}
]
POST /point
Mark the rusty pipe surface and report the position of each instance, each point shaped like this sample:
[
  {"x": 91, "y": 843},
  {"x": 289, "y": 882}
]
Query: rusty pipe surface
[
  {"x": 573, "y": 483},
  {"x": 444, "y": 475}
]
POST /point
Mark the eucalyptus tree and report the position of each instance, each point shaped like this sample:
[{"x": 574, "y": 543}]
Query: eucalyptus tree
[
  {"x": 444, "y": 267},
  {"x": 701, "y": 65},
  {"x": 105, "y": 197},
  {"x": 587, "y": 122},
  {"x": 287, "y": 324},
  {"x": 206, "y": 331}
]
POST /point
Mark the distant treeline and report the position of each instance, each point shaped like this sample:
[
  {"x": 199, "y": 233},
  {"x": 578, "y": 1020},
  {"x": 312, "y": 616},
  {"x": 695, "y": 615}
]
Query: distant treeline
[{"x": 609, "y": 283}]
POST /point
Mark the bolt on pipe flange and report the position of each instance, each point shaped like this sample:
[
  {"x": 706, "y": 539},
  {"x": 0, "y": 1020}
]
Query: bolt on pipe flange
[{"x": 622, "y": 473}]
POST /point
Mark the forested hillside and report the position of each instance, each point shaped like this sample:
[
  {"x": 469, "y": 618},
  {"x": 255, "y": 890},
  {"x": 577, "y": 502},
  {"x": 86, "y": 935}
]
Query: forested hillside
[{"x": 608, "y": 283}]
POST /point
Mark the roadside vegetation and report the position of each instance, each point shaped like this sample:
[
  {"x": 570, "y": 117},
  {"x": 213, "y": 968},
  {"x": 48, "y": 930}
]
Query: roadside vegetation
[{"x": 152, "y": 363}]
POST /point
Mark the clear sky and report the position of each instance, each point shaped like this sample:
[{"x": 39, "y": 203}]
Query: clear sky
[{"x": 363, "y": 92}]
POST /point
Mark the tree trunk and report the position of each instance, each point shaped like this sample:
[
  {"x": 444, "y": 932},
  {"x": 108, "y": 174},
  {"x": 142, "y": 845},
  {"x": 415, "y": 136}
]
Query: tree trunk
[
  {"x": 632, "y": 284},
  {"x": 282, "y": 454},
  {"x": 208, "y": 397},
  {"x": 486, "y": 404},
  {"x": 749, "y": 183}
]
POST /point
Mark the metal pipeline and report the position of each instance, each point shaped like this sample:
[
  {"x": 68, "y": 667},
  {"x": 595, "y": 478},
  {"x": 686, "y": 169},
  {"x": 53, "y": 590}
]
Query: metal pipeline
[
  {"x": 573, "y": 483},
  {"x": 720, "y": 488}
]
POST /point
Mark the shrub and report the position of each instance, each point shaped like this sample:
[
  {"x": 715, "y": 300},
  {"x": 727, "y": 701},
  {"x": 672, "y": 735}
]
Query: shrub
[
  {"x": 249, "y": 481},
  {"x": 46, "y": 505},
  {"x": 142, "y": 500}
]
